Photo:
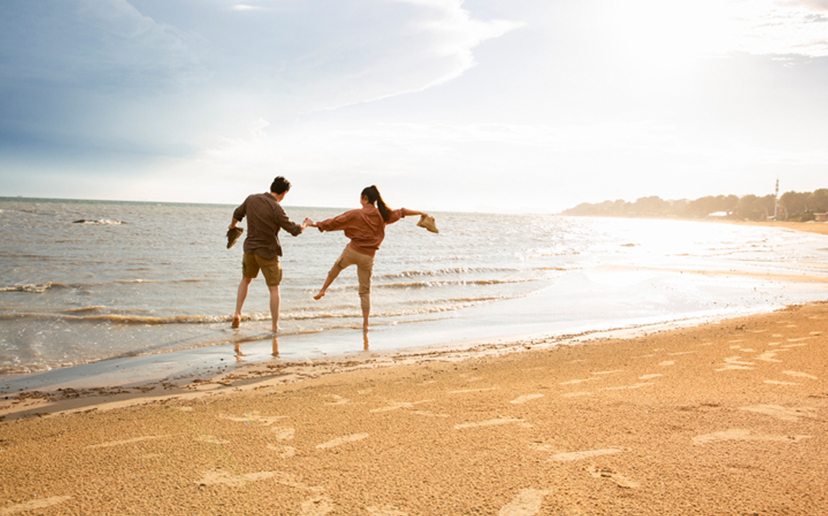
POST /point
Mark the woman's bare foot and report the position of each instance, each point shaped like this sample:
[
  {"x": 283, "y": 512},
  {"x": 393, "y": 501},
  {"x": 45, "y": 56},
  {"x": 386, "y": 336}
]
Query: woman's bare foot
[
  {"x": 236, "y": 321},
  {"x": 320, "y": 295}
]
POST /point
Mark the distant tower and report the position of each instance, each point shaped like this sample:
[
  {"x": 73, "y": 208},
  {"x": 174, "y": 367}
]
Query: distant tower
[{"x": 776, "y": 200}]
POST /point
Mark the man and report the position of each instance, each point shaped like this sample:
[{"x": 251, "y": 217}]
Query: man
[{"x": 265, "y": 216}]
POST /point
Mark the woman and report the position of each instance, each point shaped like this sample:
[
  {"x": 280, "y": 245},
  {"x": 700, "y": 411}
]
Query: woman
[{"x": 366, "y": 229}]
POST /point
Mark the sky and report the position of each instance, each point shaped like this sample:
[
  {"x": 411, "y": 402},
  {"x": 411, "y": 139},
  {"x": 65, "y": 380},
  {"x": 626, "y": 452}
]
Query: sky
[{"x": 509, "y": 106}]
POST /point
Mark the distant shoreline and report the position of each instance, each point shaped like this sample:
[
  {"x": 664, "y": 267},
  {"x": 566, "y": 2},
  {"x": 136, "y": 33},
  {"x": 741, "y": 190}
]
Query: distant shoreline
[{"x": 820, "y": 228}]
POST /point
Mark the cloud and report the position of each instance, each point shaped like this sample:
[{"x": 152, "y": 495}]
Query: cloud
[
  {"x": 162, "y": 73},
  {"x": 814, "y": 5},
  {"x": 106, "y": 45},
  {"x": 334, "y": 54},
  {"x": 768, "y": 27}
]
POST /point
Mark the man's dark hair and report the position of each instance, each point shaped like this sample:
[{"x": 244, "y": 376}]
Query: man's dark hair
[{"x": 280, "y": 185}]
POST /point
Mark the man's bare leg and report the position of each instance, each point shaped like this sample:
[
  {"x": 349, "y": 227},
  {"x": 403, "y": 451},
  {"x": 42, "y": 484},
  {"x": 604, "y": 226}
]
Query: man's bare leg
[
  {"x": 241, "y": 296},
  {"x": 275, "y": 303},
  {"x": 365, "y": 314}
]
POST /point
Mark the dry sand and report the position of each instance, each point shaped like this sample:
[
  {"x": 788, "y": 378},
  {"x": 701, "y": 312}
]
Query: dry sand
[{"x": 725, "y": 418}]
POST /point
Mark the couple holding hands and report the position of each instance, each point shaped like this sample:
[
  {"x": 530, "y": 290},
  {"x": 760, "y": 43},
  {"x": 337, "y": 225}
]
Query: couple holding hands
[{"x": 365, "y": 227}]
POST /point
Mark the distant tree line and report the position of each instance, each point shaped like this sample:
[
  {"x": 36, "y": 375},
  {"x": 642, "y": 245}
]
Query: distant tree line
[{"x": 793, "y": 206}]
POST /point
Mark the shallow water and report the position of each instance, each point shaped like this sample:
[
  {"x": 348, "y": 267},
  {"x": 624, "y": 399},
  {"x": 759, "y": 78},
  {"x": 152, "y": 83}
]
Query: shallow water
[{"x": 144, "y": 278}]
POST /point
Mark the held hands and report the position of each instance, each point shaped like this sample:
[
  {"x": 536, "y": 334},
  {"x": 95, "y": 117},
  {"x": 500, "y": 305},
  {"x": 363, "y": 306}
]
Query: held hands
[{"x": 309, "y": 222}]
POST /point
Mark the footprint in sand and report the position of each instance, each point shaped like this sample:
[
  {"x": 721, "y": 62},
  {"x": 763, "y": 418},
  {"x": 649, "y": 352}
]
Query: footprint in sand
[
  {"x": 620, "y": 480},
  {"x": 127, "y": 441},
  {"x": 800, "y": 339},
  {"x": 527, "y": 503},
  {"x": 284, "y": 433},
  {"x": 625, "y": 387},
  {"x": 770, "y": 356},
  {"x": 210, "y": 439},
  {"x": 735, "y": 363},
  {"x": 490, "y": 422},
  {"x": 783, "y": 413},
  {"x": 573, "y": 382},
  {"x": 586, "y": 454},
  {"x": 777, "y": 382},
  {"x": 797, "y": 374},
  {"x": 318, "y": 505},
  {"x": 400, "y": 405},
  {"x": 254, "y": 419},
  {"x": 738, "y": 434},
  {"x": 650, "y": 376},
  {"x": 40, "y": 503},
  {"x": 466, "y": 391},
  {"x": 285, "y": 452},
  {"x": 222, "y": 477},
  {"x": 386, "y": 510},
  {"x": 342, "y": 440},
  {"x": 394, "y": 406},
  {"x": 577, "y": 394},
  {"x": 524, "y": 399},
  {"x": 429, "y": 414}
]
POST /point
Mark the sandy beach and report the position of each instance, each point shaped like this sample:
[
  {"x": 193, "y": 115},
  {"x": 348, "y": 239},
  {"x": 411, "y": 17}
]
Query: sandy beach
[{"x": 725, "y": 418}]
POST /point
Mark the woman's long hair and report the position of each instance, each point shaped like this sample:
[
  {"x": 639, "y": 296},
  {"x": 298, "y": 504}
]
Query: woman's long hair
[{"x": 372, "y": 194}]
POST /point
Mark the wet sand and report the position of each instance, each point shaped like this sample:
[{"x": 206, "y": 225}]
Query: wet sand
[{"x": 723, "y": 418}]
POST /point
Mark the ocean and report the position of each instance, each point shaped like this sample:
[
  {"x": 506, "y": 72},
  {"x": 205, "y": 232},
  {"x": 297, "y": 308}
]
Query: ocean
[{"x": 88, "y": 281}]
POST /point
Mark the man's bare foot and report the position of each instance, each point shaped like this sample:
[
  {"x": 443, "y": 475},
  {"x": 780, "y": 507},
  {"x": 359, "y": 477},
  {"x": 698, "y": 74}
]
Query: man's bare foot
[
  {"x": 236, "y": 321},
  {"x": 320, "y": 295}
]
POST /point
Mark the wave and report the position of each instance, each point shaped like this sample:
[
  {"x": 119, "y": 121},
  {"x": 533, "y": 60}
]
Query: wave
[
  {"x": 100, "y": 222},
  {"x": 98, "y": 314},
  {"x": 74, "y": 315},
  {"x": 445, "y": 272},
  {"x": 33, "y": 289},
  {"x": 447, "y": 283},
  {"x": 40, "y": 288}
]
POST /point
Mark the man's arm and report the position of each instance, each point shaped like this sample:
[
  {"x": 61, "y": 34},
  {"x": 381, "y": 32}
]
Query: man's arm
[
  {"x": 238, "y": 215},
  {"x": 288, "y": 225}
]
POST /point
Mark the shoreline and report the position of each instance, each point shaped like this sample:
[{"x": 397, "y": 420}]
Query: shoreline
[
  {"x": 162, "y": 375},
  {"x": 820, "y": 228},
  {"x": 113, "y": 383},
  {"x": 727, "y": 417}
]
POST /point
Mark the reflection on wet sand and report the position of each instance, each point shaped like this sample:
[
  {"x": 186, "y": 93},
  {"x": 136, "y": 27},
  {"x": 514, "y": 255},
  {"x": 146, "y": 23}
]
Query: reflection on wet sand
[{"x": 274, "y": 351}]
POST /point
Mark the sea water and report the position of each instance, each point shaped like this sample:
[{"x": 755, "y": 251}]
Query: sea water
[{"x": 85, "y": 281}]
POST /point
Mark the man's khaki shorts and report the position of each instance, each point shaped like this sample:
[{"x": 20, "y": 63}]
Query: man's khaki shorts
[{"x": 271, "y": 269}]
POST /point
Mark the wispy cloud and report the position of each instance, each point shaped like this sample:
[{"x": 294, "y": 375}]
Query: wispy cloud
[{"x": 787, "y": 27}]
